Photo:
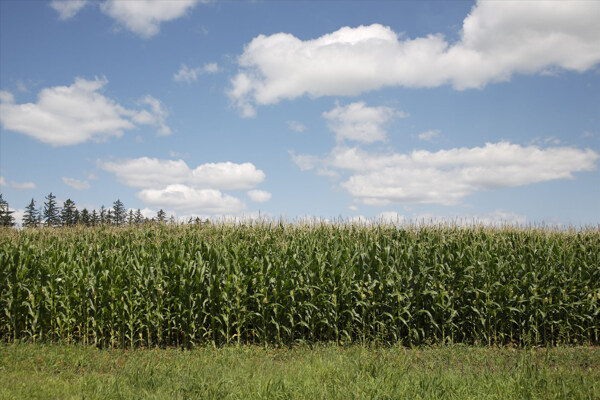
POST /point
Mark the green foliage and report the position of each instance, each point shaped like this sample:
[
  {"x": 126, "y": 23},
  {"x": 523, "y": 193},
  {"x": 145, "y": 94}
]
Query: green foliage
[
  {"x": 30, "y": 217},
  {"x": 51, "y": 213},
  {"x": 6, "y": 218},
  {"x": 119, "y": 213},
  {"x": 171, "y": 285},
  {"x": 68, "y": 214}
]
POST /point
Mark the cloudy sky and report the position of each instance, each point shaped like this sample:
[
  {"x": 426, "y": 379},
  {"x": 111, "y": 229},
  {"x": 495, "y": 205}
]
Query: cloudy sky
[{"x": 393, "y": 109}]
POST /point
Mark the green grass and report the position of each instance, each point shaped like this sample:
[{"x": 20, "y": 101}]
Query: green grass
[{"x": 36, "y": 371}]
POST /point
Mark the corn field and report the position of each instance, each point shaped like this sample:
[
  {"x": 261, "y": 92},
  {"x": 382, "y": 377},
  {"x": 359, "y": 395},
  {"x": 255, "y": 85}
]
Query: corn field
[{"x": 269, "y": 284}]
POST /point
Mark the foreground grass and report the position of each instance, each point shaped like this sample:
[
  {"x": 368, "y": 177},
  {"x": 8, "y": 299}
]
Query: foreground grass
[{"x": 323, "y": 372}]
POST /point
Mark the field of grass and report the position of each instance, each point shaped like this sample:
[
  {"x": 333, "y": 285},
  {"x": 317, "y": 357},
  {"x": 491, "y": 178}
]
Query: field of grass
[
  {"x": 43, "y": 371},
  {"x": 170, "y": 285}
]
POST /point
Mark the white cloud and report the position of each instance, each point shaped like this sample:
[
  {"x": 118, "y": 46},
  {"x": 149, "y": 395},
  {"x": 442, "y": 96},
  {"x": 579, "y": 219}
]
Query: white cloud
[
  {"x": 186, "y": 199},
  {"x": 143, "y": 17},
  {"x": 155, "y": 117},
  {"x": 304, "y": 161},
  {"x": 68, "y": 115},
  {"x": 296, "y": 126},
  {"x": 23, "y": 185},
  {"x": 352, "y": 208},
  {"x": 6, "y": 98},
  {"x": 358, "y": 122},
  {"x": 18, "y": 214},
  {"x": 67, "y": 8},
  {"x": 155, "y": 173},
  {"x": 174, "y": 154},
  {"x": 447, "y": 176},
  {"x": 17, "y": 185},
  {"x": 498, "y": 40},
  {"x": 227, "y": 175},
  {"x": 189, "y": 75},
  {"x": 76, "y": 183},
  {"x": 429, "y": 135},
  {"x": 259, "y": 196}
]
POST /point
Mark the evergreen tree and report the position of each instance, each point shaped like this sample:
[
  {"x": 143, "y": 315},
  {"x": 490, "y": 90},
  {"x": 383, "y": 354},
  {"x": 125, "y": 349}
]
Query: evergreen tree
[
  {"x": 95, "y": 218},
  {"x": 130, "y": 217},
  {"x": 109, "y": 217},
  {"x": 6, "y": 218},
  {"x": 119, "y": 213},
  {"x": 102, "y": 216},
  {"x": 84, "y": 217},
  {"x": 139, "y": 217},
  {"x": 77, "y": 216},
  {"x": 51, "y": 212},
  {"x": 30, "y": 218},
  {"x": 67, "y": 215},
  {"x": 161, "y": 216}
]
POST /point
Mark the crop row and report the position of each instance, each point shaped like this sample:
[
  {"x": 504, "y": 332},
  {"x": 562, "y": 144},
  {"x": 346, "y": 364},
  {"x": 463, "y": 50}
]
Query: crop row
[{"x": 283, "y": 284}]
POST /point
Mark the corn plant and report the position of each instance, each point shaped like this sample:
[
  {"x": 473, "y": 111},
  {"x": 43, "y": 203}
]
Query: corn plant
[{"x": 168, "y": 285}]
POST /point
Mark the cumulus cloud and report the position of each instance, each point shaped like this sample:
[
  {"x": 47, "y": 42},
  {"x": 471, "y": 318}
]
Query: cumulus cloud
[
  {"x": 360, "y": 123},
  {"x": 147, "y": 172},
  {"x": 6, "y": 97},
  {"x": 259, "y": 196},
  {"x": 187, "y": 199},
  {"x": 76, "y": 183},
  {"x": 498, "y": 40},
  {"x": 68, "y": 115},
  {"x": 143, "y": 17},
  {"x": 448, "y": 176},
  {"x": 189, "y": 75},
  {"x": 67, "y": 8}
]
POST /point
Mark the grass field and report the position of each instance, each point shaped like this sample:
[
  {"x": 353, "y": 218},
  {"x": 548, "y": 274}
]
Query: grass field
[{"x": 38, "y": 371}]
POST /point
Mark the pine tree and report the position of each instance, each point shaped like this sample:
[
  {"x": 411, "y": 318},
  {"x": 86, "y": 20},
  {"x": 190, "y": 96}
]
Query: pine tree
[
  {"x": 85, "y": 217},
  {"x": 139, "y": 217},
  {"x": 119, "y": 213},
  {"x": 95, "y": 218},
  {"x": 67, "y": 215},
  {"x": 102, "y": 216},
  {"x": 161, "y": 216},
  {"x": 76, "y": 217},
  {"x": 30, "y": 218},
  {"x": 51, "y": 212},
  {"x": 130, "y": 217},
  {"x": 6, "y": 218},
  {"x": 109, "y": 217}
]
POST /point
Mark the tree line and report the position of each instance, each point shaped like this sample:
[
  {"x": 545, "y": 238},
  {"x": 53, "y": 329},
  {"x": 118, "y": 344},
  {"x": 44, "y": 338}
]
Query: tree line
[{"x": 51, "y": 215}]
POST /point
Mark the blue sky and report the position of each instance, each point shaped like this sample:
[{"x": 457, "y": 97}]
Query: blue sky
[{"x": 360, "y": 109}]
